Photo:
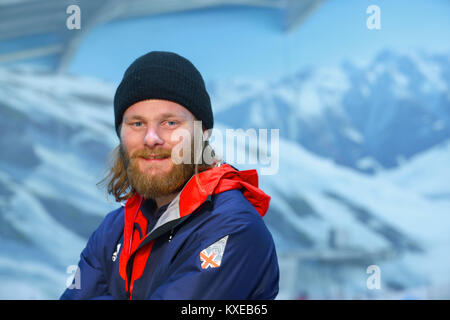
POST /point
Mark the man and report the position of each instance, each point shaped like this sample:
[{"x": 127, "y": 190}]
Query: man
[{"x": 189, "y": 230}]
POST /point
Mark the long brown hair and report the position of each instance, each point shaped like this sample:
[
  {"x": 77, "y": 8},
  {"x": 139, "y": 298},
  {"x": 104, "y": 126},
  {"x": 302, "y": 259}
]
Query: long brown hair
[{"x": 116, "y": 180}]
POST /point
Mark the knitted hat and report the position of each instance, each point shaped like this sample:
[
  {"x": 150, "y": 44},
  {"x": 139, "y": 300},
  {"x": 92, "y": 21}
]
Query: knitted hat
[{"x": 167, "y": 76}]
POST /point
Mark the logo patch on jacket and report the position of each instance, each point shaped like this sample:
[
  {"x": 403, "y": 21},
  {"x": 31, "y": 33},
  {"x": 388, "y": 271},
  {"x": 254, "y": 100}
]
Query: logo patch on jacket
[{"x": 211, "y": 257}]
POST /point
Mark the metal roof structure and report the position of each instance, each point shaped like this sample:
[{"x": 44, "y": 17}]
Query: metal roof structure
[{"x": 43, "y": 22}]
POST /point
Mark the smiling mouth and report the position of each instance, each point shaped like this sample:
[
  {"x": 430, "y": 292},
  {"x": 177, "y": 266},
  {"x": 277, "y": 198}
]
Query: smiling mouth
[{"x": 160, "y": 158}]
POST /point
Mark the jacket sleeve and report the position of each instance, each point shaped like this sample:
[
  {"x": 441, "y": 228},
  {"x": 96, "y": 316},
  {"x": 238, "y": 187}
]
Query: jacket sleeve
[
  {"x": 248, "y": 268},
  {"x": 90, "y": 283}
]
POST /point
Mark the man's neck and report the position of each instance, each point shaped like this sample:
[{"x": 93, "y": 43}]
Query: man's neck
[{"x": 161, "y": 201}]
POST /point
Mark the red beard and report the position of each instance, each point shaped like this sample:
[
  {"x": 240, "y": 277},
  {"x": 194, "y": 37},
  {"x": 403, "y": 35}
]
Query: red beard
[{"x": 158, "y": 184}]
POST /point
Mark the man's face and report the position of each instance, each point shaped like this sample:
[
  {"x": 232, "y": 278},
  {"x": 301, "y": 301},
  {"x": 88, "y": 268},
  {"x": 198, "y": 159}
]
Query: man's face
[{"x": 147, "y": 140}]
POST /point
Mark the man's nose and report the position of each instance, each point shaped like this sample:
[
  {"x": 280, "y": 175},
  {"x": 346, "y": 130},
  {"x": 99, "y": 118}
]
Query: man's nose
[{"x": 152, "y": 138}]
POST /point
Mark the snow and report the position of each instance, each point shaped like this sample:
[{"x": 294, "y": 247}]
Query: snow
[
  {"x": 431, "y": 71},
  {"x": 426, "y": 173},
  {"x": 324, "y": 89}
]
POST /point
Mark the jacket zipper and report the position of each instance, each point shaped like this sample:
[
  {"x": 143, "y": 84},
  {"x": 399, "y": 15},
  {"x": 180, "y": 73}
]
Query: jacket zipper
[{"x": 148, "y": 238}]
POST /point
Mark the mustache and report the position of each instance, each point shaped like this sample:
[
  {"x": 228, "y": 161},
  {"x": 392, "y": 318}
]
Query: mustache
[{"x": 146, "y": 153}]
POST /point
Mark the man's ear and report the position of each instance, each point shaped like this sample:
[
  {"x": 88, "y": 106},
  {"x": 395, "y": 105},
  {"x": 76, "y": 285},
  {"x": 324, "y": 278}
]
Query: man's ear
[{"x": 206, "y": 134}]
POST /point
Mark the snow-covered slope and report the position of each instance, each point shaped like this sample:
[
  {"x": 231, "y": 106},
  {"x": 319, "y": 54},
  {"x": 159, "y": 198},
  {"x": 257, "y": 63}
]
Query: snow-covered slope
[
  {"x": 55, "y": 135},
  {"x": 425, "y": 173},
  {"x": 329, "y": 222}
]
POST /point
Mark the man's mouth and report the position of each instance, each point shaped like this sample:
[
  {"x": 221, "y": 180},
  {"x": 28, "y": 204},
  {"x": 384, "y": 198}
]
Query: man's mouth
[{"x": 155, "y": 158}]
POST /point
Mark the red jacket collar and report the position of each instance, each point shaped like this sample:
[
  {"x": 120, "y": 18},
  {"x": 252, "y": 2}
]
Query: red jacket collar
[{"x": 220, "y": 179}]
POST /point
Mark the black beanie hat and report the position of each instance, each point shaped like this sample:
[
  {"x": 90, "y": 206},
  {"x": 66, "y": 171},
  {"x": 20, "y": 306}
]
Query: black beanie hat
[{"x": 167, "y": 76}]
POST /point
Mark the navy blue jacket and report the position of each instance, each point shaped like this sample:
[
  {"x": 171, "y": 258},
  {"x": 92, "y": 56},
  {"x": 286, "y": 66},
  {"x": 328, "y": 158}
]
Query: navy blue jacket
[{"x": 176, "y": 267}]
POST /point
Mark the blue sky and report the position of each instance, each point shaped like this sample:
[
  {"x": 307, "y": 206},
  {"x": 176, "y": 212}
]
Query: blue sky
[{"x": 244, "y": 42}]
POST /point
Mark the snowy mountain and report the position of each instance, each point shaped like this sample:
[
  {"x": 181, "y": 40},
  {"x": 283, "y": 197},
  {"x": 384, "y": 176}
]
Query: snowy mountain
[
  {"x": 364, "y": 117},
  {"x": 329, "y": 222}
]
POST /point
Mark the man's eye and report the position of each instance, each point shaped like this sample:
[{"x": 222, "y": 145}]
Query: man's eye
[
  {"x": 171, "y": 123},
  {"x": 137, "y": 124}
]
